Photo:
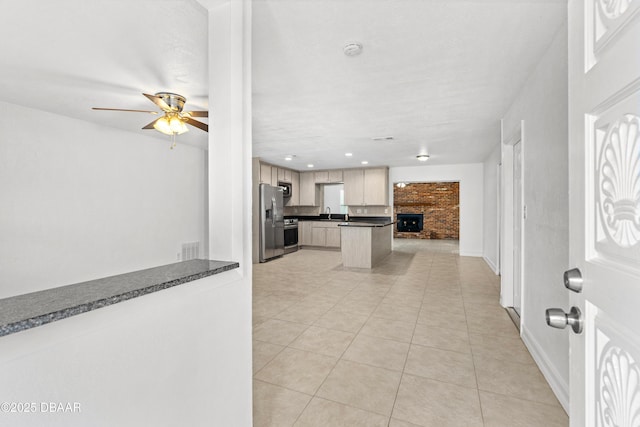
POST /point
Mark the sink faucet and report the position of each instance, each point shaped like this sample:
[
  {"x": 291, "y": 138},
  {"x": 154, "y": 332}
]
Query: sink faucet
[{"x": 328, "y": 211}]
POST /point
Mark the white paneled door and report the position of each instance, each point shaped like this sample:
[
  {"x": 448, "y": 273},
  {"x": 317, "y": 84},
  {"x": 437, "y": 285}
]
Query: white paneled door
[{"x": 604, "y": 191}]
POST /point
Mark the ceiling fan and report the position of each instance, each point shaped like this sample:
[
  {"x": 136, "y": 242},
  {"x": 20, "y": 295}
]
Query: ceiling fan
[{"x": 174, "y": 120}]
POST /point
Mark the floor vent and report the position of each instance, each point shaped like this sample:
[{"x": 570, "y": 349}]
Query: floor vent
[{"x": 190, "y": 251}]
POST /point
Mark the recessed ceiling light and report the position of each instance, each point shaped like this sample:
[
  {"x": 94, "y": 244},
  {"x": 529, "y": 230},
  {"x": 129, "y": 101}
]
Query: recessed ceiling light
[
  {"x": 401, "y": 185},
  {"x": 364, "y": 162},
  {"x": 288, "y": 158},
  {"x": 348, "y": 154},
  {"x": 352, "y": 49},
  {"x": 422, "y": 157},
  {"x": 310, "y": 165}
]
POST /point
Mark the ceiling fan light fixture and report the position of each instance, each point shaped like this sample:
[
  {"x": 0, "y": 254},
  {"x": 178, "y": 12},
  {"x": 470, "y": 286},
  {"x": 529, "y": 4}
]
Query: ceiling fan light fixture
[
  {"x": 162, "y": 125},
  {"x": 177, "y": 125}
]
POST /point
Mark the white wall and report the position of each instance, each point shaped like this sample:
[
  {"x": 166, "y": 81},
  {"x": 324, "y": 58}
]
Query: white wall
[
  {"x": 542, "y": 107},
  {"x": 470, "y": 177},
  {"x": 181, "y": 356},
  {"x": 82, "y": 201},
  {"x": 171, "y": 358},
  {"x": 490, "y": 250}
]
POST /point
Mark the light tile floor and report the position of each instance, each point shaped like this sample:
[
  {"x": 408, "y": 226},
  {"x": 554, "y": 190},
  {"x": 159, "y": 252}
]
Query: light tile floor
[{"x": 418, "y": 341}]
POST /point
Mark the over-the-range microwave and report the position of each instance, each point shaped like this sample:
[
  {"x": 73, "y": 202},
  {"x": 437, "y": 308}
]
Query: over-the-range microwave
[{"x": 286, "y": 189}]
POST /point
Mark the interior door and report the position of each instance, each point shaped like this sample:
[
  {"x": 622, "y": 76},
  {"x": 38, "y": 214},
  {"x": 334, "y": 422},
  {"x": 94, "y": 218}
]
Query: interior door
[
  {"x": 604, "y": 193},
  {"x": 517, "y": 227}
]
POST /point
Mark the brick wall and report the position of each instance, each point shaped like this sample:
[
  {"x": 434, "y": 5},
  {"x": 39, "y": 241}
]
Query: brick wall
[{"x": 438, "y": 202}]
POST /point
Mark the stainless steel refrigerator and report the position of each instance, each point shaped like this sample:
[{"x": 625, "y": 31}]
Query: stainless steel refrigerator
[{"x": 271, "y": 222}]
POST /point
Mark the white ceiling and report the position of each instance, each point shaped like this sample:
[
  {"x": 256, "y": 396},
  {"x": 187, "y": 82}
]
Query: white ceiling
[{"x": 436, "y": 74}]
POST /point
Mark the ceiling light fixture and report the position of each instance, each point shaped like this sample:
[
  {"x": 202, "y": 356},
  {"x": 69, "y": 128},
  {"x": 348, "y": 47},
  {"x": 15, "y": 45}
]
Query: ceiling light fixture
[
  {"x": 401, "y": 185},
  {"x": 310, "y": 165},
  {"x": 364, "y": 162},
  {"x": 348, "y": 154},
  {"x": 422, "y": 157},
  {"x": 171, "y": 124},
  {"x": 289, "y": 158},
  {"x": 383, "y": 138},
  {"x": 352, "y": 49}
]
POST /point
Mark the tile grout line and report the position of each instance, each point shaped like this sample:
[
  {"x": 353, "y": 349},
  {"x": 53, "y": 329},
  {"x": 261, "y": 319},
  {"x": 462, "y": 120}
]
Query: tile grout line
[{"x": 406, "y": 359}]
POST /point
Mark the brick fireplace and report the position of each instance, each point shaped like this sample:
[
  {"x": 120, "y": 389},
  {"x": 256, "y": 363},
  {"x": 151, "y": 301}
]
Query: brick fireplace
[{"x": 437, "y": 202}]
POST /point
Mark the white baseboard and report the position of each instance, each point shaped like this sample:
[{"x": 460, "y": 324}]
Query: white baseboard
[
  {"x": 558, "y": 384},
  {"x": 476, "y": 254},
  {"x": 491, "y": 265}
]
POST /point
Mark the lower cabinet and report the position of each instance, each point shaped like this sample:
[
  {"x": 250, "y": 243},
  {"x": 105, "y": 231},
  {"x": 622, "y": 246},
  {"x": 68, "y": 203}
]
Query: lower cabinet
[
  {"x": 305, "y": 233},
  {"x": 319, "y": 237},
  {"x": 333, "y": 237},
  {"x": 323, "y": 234}
]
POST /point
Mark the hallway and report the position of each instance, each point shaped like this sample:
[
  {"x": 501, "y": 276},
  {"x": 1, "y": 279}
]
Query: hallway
[{"x": 420, "y": 340}]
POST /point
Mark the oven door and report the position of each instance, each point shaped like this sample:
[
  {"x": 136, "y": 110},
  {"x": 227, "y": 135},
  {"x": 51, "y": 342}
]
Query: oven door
[{"x": 290, "y": 238}]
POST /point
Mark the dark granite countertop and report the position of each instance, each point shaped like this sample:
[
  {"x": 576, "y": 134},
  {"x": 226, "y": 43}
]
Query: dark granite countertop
[
  {"x": 341, "y": 218},
  {"x": 365, "y": 224},
  {"x": 28, "y": 311}
]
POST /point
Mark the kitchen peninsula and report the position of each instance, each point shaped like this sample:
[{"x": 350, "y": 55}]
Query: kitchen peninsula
[{"x": 365, "y": 244}]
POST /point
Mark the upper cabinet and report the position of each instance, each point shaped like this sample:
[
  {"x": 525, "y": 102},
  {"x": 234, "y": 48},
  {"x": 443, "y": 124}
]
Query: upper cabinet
[
  {"x": 321, "y": 177},
  {"x": 361, "y": 186},
  {"x": 335, "y": 175},
  {"x": 353, "y": 187},
  {"x": 307, "y": 189},
  {"x": 265, "y": 174},
  {"x": 284, "y": 175},
  {"x": 294, "y": 200},
  {"x": 328, "y": 177},
  {"x": 366, "y": 187}
]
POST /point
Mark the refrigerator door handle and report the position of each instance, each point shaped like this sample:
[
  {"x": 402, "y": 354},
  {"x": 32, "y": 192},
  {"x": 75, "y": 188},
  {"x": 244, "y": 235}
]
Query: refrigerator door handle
[{"x": 273, "y": 209}]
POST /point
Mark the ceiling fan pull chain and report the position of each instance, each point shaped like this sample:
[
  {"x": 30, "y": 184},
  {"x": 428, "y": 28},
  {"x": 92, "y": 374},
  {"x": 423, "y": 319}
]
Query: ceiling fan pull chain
[{"x": 173, "y": 138}]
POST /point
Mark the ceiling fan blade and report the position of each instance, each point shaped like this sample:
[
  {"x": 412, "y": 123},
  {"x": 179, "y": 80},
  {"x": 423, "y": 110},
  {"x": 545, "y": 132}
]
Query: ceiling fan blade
[
  {"x": 150, "y": 125},
  {"x": 199, "y": 125},
  {"x": 121, "y": 109},
  {"x": 197, "y": 113},
  {"x": 159, "y": 102}
]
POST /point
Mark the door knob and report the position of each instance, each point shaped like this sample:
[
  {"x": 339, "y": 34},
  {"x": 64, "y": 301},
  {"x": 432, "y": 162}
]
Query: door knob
[
  {"x": 557, "y": 318},
  {"x": 573, "y": 280}
]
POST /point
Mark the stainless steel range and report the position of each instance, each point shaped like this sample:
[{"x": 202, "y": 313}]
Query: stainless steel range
[{"x": 290, "y": 235}]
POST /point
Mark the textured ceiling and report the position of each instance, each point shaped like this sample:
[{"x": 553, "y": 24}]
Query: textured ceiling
[{"x": 436, "y": 75}]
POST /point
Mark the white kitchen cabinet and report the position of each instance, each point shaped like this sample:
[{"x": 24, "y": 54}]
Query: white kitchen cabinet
[
  {"x": 364, "y": 187},
  {"x": 274, "y": 176},
  {"x": 335, "y": 175},
  {"x": 307, "y": 189}
]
